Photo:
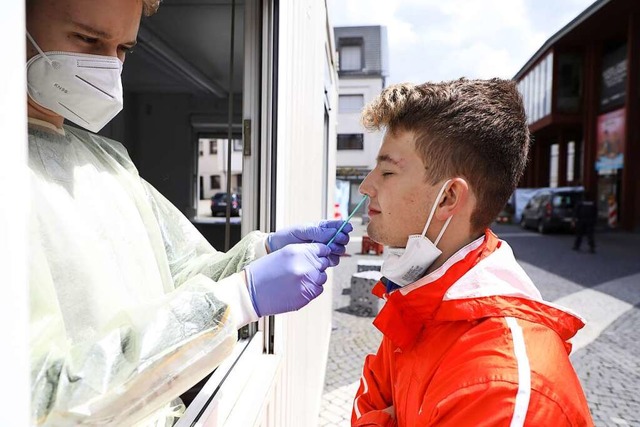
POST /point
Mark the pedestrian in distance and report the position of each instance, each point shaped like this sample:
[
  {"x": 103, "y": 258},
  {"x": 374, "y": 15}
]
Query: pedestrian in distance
[
  {"x": 585, "y": 218},
  {"x": 467, "y": 338},
  {"x": 130, "y": 306}
]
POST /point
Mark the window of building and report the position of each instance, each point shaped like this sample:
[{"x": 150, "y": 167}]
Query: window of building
[
  {"x": 214, "y": 182},
  {"x": 350, "y": 103},
  {"x": 531, "y": 98},
  {"x": 213, "y": 146},
  {"x": 523, "y": 91},
  {"x": 350, "y": 141},
  {"x": 553, "y": 165},
  {"x": 536, "y": 88},
  {"x": 534, "y": 94},
  {"x": 540, "y": 89},
  {"x": 237, "y": 145},
  {"x": 200, "y": 148},
  {"x": 569, "y": 82},
  {"x": 571, "y": 158},
  {"x": 548, "y": 90},
  {"x": 351, "y": 57}
]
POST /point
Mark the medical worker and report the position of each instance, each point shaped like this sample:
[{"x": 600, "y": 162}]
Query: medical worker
[
  {"x": 129, "y": 304},
  {"x": 467, "y": 338}
]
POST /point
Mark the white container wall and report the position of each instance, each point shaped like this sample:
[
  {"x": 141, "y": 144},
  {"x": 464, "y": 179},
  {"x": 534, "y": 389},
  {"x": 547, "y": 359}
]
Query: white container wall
[
  {"x": 14, "y": 208},
  {"x": 306, "y": 174}
]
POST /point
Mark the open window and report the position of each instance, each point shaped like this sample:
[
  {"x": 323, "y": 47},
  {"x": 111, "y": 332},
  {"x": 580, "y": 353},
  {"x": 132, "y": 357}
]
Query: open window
[{"x": 186, "y": 93}]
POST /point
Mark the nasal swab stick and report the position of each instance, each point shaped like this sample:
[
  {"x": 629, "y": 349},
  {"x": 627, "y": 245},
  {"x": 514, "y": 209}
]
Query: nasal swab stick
[{"x": 348, "y": 219}]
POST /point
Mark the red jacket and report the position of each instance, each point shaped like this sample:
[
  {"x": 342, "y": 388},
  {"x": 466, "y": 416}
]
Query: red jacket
[{"x": 476, "y": 347}]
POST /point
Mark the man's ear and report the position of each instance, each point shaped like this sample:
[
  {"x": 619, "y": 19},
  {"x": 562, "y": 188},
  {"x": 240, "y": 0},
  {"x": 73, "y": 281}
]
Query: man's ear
[{"x": 454, "y": 200}]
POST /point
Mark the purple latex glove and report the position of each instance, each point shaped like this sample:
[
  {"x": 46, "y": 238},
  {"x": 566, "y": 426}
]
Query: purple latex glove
[
  {"x": 308, "y": 233},
  {"x": 286, "y": 280}
]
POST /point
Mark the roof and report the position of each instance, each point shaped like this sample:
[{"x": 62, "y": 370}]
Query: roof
[{"x": 586, "y": 14}]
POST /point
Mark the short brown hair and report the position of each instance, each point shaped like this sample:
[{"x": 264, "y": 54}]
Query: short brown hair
[
  {"x": 149, "y": 7},
  {"x": 475, "y": 129}
]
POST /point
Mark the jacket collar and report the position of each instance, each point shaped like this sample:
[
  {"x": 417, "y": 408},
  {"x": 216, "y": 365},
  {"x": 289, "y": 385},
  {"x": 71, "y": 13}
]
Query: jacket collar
[{"x": 481, "y": 280}]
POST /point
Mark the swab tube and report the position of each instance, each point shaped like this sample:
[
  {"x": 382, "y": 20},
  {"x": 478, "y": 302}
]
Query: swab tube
[{"x": 348, "y": 219}]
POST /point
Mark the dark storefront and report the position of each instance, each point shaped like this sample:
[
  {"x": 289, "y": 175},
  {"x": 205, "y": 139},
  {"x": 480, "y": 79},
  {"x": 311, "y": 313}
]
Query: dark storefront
[{"x": 582, "y": 94}]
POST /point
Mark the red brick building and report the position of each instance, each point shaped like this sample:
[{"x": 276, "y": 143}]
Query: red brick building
[{"x": 582, "y": 95}]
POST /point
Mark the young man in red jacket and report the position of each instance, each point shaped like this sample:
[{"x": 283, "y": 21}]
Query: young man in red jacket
[{"x": 468, "y": 340}]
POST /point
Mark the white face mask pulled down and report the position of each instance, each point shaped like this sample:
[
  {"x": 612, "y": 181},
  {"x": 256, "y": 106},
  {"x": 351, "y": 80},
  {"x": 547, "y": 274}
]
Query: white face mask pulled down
[
  {"x": 84, "y": 89},
  {"x": 404, "y": 266}
]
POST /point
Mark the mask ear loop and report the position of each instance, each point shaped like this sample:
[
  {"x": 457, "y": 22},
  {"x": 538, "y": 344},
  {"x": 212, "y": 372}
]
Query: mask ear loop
[
  {"x": 46, "y": 58},
  {"x": 33, "y": 42},
  {"x": 433, "y": 211},
  {"x": 444, "y": 227}
]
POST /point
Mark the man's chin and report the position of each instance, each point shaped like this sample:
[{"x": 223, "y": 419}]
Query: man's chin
[{"x": 374, "y": 235}]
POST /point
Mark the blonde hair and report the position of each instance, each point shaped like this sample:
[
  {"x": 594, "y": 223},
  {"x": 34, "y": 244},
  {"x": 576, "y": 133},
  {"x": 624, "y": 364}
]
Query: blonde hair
[
  {"x": 475, "y": 129},
  {"x": 149, "y": 7}
]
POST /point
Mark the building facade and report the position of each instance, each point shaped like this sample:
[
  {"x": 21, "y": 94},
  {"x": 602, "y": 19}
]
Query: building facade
[
  {"x": 581, "y": 94},
  {"x": 212, "y": 166},
  {"x": 362, "y": 72}
]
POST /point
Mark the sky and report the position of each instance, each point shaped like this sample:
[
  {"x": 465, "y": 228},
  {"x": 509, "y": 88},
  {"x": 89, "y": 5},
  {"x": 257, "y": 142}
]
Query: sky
[{"x": 435, "y": 40}]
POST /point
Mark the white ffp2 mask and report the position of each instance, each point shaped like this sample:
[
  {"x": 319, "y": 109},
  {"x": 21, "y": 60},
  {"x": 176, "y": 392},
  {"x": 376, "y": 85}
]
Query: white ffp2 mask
[
  {"x": 84, "y": 89},
  {"x": 406, "y": 265}
]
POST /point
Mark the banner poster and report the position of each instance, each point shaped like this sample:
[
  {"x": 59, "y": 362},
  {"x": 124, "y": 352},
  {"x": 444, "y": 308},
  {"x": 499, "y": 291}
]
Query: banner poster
[
  {"x": 611, "y": 135},
  {"x": 614, "y": 78}
]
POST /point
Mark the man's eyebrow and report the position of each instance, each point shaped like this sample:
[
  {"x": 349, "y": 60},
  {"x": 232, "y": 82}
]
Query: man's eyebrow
[
  {"x": 387, "y": 158},
  {"x": 99, "y": 33},
  {"x": 91, "y": 30}
]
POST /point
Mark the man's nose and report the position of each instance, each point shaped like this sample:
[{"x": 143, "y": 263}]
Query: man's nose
[
  {"x": 110, "y": 50},
  {"x": 367, "y": 187}
]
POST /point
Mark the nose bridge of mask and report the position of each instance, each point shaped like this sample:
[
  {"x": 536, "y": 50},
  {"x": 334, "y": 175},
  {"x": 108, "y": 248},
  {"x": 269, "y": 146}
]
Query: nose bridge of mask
[
  {"x": 433, "y": 211},
  {"x": 83, "y": 61}
]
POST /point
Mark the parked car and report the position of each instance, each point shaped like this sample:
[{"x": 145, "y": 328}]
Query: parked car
[
  {"x": 506, "y": 214},
  {"x": 550, "y": 210},
  {"x": 219, "y": 204}
]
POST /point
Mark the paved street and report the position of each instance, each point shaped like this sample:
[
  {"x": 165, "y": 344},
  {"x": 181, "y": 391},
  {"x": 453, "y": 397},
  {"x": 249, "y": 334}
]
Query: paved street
[{"x": 603, "y": 288}]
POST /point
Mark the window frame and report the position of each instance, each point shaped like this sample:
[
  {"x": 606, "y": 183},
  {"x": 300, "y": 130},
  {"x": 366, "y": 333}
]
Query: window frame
[
  {"x": 359, "y": 141},
  {"x": 212, "y": 180},
  {"x": 343, "y": 109},
  {"x": 228, "y": 384},
  {"x": 351, "y": 42}
]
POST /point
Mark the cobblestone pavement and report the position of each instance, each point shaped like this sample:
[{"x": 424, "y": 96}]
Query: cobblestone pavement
[{"x": 604, "y": 288}]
